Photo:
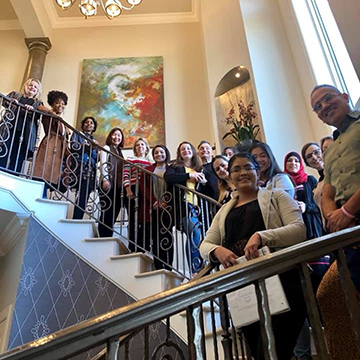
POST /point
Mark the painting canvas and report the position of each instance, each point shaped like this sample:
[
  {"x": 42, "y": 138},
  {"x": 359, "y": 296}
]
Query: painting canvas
[{"x": 126, "y": 93}]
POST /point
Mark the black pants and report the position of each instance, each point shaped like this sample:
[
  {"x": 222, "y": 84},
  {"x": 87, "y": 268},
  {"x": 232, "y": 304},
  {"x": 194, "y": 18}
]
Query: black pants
[
  {"x": 162, "y": 239},
  {"x": 286, "y": 326},
  {"x": 82, "y": 198},
  {"x": 110, "y": 205},
  {"x": 18, "y": 153},
  {"x": 133, "y": 219}
]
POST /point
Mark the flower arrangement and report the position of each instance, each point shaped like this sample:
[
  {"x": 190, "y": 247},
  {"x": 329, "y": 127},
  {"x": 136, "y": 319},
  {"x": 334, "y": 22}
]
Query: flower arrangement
[{"x": 242, "y": 126}]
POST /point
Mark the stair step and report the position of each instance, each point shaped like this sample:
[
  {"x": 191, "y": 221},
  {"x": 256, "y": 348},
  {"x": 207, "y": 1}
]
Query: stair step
[
  {"x": 82, "y": 221},
  {"x": 160, "y": 272},
  {"x": 50, "y": 201},
  {"x": 159, "y": 280},
  {"x": 123, "y": 250},
  {"x": 142, "y": 262}
]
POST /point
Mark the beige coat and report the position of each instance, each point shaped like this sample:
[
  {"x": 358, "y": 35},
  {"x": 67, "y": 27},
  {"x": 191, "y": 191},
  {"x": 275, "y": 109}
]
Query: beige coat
[
  {"x": 282, "y": 217},
  {"x": 52, "y": 150}
]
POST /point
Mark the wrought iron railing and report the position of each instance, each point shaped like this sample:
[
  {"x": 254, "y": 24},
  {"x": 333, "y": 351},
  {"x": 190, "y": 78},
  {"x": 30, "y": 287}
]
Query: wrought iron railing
[
  {"x": 73, "y": 166},
  {"x": 194, "y": 296}
]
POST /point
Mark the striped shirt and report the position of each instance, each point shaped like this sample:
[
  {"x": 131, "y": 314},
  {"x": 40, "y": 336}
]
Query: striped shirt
[{"x": 130, "y": 171}]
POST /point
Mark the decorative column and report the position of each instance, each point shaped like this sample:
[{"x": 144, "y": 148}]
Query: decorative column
[{"x": 38, "y": 49}]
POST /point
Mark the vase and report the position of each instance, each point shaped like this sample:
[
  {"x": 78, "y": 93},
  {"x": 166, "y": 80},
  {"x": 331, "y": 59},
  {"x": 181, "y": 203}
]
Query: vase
[{"x": 245, "y": 145}]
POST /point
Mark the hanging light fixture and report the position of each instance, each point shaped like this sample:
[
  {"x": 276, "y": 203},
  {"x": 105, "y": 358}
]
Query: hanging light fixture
[
  {"x": 65, "y": 4},
  {"x": 111, "y": 8}
]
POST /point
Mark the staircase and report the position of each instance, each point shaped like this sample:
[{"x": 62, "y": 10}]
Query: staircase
[{"x": 132, "y": 272}]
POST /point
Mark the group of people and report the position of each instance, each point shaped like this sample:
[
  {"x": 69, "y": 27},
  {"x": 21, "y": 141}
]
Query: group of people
[{"x": 262, "y": 204}]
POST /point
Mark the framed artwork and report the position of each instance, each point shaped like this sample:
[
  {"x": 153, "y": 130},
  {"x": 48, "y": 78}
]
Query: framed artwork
[{"x": 127, "y": 93}]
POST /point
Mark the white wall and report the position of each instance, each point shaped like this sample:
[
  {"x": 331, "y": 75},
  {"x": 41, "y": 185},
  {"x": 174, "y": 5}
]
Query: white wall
[
  {"x": 14, "y": 55},
  {"x": 186, "y": 107},
  {"x": 283, "y": 106}
]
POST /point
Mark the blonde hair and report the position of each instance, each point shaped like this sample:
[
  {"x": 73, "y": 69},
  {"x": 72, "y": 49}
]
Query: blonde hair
[
  {"x": 147, "y": 152},
  {"x": 29, "y": 81}
]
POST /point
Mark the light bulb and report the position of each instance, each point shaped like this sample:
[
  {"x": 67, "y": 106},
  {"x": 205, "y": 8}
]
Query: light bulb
[
  {"x": 88, "y": 7},
  {"x": 134, "y": 2},
  {"x": 64, "y": 4},
  {"x": 112, "y": 8}
]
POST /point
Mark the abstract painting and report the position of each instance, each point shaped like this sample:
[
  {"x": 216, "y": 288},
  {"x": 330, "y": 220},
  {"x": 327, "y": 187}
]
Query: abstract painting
[{"x": 126, "y": 93}]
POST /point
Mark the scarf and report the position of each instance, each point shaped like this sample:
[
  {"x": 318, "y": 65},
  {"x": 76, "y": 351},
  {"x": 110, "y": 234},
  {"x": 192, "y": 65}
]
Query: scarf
[{"x": 301, "y": 176}]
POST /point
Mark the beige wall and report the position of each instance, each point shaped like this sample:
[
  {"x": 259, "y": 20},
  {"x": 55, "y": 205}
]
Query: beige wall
[
  {"x": 186, "y": 107},
  {"x": 13, "y": 60},
  {"x": 225, "y": 45}
]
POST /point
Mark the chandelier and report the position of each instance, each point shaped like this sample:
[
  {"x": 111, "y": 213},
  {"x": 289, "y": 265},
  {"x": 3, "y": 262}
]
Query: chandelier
[{"x": 111, "y": 8}]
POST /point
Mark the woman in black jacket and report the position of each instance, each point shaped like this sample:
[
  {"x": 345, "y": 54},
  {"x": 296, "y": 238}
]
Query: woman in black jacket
[{"x": 187, "y": 171}]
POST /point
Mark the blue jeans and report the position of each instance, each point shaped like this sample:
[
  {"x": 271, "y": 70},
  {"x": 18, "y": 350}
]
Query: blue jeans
[{"x": 191, "y": 225}]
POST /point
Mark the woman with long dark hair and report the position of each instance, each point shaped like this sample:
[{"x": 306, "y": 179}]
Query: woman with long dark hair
[
  {"x": 111, "y": 167},
  {"x": 271, "y": 177},
  {"x": 187, "y": 171},
  {"x": 225, "y": 186},
  {"x": 258, "y": 217}
]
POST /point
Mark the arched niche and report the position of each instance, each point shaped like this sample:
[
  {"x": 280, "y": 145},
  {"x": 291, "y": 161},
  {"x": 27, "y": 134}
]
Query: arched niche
[{"x": 234, "y": 86}]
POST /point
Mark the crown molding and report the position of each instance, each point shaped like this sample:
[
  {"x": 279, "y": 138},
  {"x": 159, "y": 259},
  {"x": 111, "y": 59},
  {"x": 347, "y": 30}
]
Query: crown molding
[
  {"x": 13, "y": 232},
  {"x": 123, "y": 20},
  {"x": 10, "y": 25}
]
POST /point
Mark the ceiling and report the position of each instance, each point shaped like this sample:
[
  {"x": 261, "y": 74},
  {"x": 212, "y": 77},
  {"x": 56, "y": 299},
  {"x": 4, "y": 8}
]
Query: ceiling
[
  {"x": 146, "y": 7},
  {"x": 159, "y": 11},
  {"x": 7, "y": 11}
]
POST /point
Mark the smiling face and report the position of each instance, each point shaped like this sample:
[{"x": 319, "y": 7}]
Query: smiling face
[
  {"x": 205, "y": 152},
  {"x": 331, "y": 107},
  {"x": 58, "y": 106},
  {"x": 140, "y": 148},
  {"x": 31, "y": 89},
  {"x": 159, "y": 155},
  {"x": 186, "y": 152},
  {"x": 220, "y": 167},
  {"x": 293, "y": 164},
  {"x": 116, "y": 138},
  {"x": 88, "y": 126},
  {"x": 244, "y": 175},
  {"x": 262, "y": 158},
  {"x": 314, "y": 158}
]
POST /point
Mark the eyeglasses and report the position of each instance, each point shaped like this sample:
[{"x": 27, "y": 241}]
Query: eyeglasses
[
  {"x": 328, "y": 97},
  {"x": 316, "y": 152},
  {"x": 245, "y": 168}
]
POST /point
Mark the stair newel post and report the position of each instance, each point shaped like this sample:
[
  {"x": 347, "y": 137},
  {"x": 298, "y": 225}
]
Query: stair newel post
[
  {"x": 225, "y": 324},
  {"x": 313, "y": 312},
  {"x": 112, "y": 348}
]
